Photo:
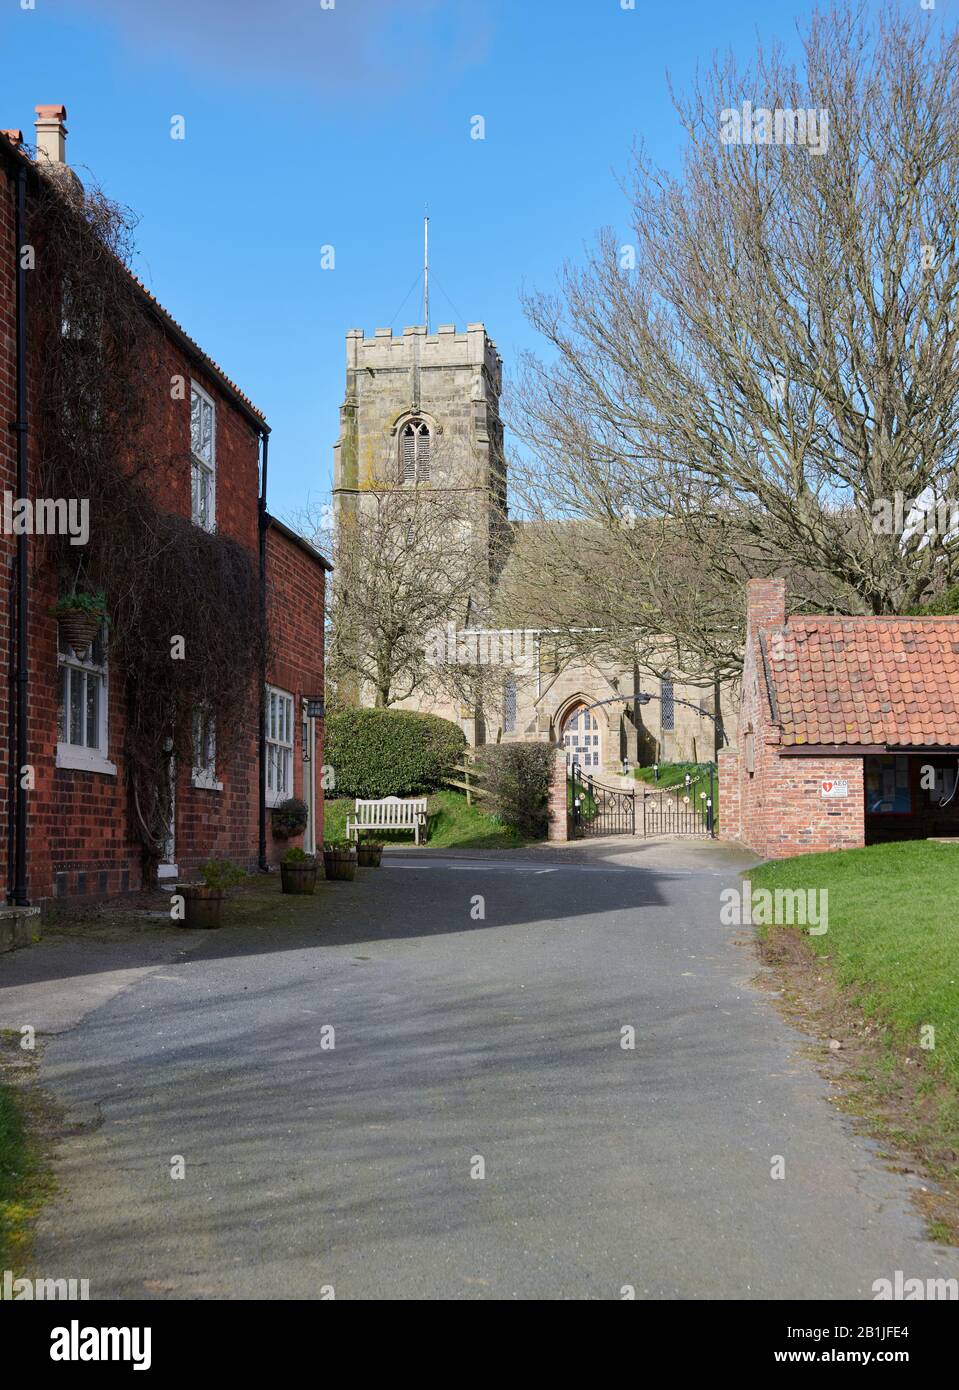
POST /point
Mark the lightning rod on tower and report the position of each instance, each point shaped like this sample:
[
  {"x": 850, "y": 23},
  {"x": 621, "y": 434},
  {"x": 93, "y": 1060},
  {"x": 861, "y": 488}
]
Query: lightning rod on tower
[{"x": 426, "y": 270}]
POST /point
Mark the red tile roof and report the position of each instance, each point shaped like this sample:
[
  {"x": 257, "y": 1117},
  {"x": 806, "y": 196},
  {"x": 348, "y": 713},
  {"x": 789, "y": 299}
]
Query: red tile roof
[{"x": 891, "y": 681}]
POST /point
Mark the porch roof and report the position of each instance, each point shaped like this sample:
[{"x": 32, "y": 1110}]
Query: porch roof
[{"x": 861, "y": 682}]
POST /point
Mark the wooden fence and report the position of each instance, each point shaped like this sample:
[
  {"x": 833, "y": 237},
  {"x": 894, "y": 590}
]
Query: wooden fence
[{"x": 470, "y": 778}]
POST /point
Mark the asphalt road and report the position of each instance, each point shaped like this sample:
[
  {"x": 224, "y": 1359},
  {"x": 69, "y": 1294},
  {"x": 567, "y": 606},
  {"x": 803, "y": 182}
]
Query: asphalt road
[{"x": 457, "y": 1038}]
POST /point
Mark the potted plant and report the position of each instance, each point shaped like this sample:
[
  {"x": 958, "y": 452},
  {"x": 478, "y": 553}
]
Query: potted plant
[
  {"x": 339, "y": 859},
  {"x": 298, "y": 872},
  {"x": 369, "y": 853},
  {"x": 81, "y": 616},
  {"x": 289, "y": 818},
  {"x": 204, "y": 901}
]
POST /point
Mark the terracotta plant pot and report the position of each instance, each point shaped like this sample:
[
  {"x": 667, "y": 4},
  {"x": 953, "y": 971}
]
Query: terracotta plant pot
[
  {"x": 369, "y": 856},
  {"x": 340, "y": 863},
  {"x": 80, "y": 629},
  {"x": 298, "y": 878},
  {"x": 204, "y": 906}
]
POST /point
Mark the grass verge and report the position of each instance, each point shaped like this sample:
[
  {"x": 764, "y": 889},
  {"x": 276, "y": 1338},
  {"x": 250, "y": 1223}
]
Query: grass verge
[
  {"x": 25, "y": 1179},
  {"x": 883, "y": 982}
]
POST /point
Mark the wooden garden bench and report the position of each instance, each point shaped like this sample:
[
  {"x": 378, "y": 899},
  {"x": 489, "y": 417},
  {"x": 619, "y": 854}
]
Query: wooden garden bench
[{"x": 390, "y": 813}]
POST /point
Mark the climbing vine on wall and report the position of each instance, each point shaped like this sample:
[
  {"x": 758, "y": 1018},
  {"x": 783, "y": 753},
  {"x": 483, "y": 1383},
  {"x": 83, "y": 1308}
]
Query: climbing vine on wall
[{"x": 103, "y": 402}]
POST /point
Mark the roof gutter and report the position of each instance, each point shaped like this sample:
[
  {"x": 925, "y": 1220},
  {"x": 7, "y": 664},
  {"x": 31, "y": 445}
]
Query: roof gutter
[
  {"x": 300, "y": 541},
  {"x": 866, "y": 750}
]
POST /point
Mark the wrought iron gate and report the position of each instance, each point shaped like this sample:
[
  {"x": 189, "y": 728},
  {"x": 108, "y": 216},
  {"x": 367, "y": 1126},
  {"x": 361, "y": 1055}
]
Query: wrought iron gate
[
  {"x": 687, "y": 809},
  {"x": 598, "y": 810}
]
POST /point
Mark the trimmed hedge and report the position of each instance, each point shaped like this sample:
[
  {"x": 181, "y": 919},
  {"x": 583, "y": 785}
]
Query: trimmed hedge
[
  {"x": 517, "y": 777},
  {"x": 390, "y": 752}
]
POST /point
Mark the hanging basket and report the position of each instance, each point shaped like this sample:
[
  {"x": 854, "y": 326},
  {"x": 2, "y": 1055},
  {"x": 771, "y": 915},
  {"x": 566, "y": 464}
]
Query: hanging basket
[{"x": 80, "y": 629}]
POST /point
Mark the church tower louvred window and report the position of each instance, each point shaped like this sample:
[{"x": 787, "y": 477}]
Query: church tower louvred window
[{"x": 415, "y": 452}]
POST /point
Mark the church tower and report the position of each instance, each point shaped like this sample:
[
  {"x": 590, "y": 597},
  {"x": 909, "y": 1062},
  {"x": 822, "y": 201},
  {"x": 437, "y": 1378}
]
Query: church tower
[{"x": 421, "y": 411}]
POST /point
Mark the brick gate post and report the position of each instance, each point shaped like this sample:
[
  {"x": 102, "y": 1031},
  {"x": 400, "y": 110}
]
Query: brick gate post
[{"x": 558, "y": 816}]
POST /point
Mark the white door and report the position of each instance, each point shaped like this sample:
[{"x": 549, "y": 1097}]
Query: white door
[{"x": 581, "y": 739}]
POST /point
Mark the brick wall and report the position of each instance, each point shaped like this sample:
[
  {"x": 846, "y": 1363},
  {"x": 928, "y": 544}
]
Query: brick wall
[
  {"x": 8, "y": 469},
  {"x": 81, "y": 826},
  {"x": 769, "y": 800},
  {"x": 295, "y": 604}
]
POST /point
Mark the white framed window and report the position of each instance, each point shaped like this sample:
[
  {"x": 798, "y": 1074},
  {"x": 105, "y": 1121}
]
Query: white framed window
[
  {"x": 82, "y": 709},
  {"x": 203, "y": 457},
  {"x": 279, "y": 745},
  {"x": 415, "y": 449},
  {"x": 204, "y": 751}
]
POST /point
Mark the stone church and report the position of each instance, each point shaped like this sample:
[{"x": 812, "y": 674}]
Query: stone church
[{"x": 422, "y": 411}]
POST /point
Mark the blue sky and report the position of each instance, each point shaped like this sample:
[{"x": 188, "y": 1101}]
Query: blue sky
[{"x": 308, "y": 126}]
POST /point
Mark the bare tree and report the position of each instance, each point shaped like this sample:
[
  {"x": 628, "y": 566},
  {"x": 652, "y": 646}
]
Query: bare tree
[
  {"x": 766, "y": 375},
  {"x": 406, "y": 566}
]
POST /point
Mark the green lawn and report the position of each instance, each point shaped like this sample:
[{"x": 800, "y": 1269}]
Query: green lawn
[
  {"x": 673, "y": 774},
  {"x": 452, "y": 825},
  {"x": 893, "y": 936}
]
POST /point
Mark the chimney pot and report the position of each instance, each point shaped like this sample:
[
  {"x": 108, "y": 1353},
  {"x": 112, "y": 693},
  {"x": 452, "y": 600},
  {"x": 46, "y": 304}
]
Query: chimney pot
[{"x": 51, "y": 134}]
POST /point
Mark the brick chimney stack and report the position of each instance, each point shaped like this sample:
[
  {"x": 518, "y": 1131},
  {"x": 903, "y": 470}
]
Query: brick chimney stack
[
  {"x": 765, "y": 603},
  {"x": 51, "y": 135}
]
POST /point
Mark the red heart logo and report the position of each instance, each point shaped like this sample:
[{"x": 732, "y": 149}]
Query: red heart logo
[{"x": 827, "y": 786}]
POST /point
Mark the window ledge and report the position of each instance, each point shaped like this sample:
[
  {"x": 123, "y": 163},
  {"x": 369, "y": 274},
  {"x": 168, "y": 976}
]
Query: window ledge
[
  {"x": 84, "y": 760},
  {"x": 206, "y": 784}
]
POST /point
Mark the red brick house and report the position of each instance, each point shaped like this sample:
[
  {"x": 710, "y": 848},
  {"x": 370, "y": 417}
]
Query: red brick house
[
  {"x": 69, "y": 826},
  {"x": 848, "y": 733}
]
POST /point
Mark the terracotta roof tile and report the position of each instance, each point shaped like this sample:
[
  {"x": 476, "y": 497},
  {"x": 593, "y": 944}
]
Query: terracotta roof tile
[{"x": 892, "y": 681}]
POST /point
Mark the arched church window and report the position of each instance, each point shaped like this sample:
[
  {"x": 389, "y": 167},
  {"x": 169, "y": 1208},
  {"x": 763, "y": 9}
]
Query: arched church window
[{"x": 415, "y": 448}]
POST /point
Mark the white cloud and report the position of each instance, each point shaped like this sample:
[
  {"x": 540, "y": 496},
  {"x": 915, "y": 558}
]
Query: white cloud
[{"x": 402, "y": 44}]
